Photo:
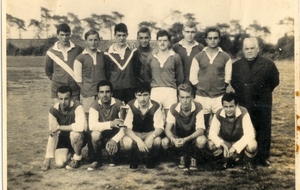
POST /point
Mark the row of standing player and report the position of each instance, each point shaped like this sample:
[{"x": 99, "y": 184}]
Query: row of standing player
[{"x": 209, "y": 68}]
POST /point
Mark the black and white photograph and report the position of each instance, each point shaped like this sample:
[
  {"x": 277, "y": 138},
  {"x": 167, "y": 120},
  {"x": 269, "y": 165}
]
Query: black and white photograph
[{"x": 150, "y": 94}]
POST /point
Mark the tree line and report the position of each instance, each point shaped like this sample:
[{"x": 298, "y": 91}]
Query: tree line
[{"x": 232, "y": 33}]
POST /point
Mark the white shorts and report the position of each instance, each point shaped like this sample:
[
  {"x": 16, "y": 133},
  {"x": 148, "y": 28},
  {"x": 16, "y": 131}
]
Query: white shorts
[
  {"x": 210, "y": 105},
  {"x": 86, "y": 103},
  {"x": 165, "y": 96}
]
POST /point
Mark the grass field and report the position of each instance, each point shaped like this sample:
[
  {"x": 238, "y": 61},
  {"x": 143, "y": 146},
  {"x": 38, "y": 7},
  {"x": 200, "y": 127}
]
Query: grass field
[{"x": 28, "y": 102}]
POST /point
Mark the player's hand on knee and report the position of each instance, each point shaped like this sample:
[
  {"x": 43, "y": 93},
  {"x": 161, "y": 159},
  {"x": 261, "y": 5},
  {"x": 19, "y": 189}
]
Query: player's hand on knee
[
  {"x": 149, "y": 142},
  {"x": 111, "y": 147},
  {"x": 142, "y": 147}
]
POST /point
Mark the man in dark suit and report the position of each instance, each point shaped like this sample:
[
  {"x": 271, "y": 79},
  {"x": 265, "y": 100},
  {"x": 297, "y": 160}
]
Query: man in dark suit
[{"x": 254, "y": 79}]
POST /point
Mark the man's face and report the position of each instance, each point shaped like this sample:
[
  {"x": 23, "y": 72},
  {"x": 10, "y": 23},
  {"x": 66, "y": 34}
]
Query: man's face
[
  {"x": 143, "y": 98},
  {"x": 212, "y": 39},
  {"x": 143, "y": 39},
  {"x": 189, "y": 33},
  {"x": 163, "y": 43},
  {"x": 121, "y": 38},
  {"x": 64, "y": 100},
  {"x": 63, "y": 37},
  {"x": 185, "y": 98},
  {"x": 250, "y": 50},
  {"x": 229, "y": 108},
  {"x": 92, "y": 42},
  {"x": 105, "y": 94}
]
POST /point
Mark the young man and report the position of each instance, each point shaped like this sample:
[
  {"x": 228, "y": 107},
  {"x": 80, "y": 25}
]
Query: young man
[
  {"x": 143, "y": 55},
  {"x": 144, "y": 126},
  {"x": 120, "y": 72},
  {"x": 66, "y": 124},
  {"x": 254, "y": 79},
  {"x": 59, "y": 62},
  {"x": 211, "y": 73},
  {"x": 187, "y": 48},
  {"x": 232, "y": 132},
  {"x": 185, "y": 128},
  {"x": 104, "y": 122},
  {"x": 89, "y": 69},
  {"x": 166, "y": 72}
]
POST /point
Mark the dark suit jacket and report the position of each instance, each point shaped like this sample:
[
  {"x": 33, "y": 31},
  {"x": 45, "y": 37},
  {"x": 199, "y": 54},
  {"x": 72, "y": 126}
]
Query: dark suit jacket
[{"x": 254, "y": 87}]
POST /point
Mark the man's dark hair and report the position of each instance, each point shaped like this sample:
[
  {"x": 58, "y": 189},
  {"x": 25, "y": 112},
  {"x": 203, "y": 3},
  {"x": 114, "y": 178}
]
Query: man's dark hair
[
  {"x": 105, "y": 83},
  {"x": 142, "y": 87},
  {"x": 228, "y": 97},
  {"x": 186, "y": 88},
  {"x": 121, "y": 28},
  {"x": 162, "y": 33},
  {"x": 63, "y": 27},
  {"x": 212, "y": 29},
  {"x": 144, "y": 30},
  {"x": 91, "y": 32},
  {"x": 64, "y": 89}
]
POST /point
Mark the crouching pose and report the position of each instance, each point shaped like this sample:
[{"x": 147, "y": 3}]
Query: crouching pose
[
  {"x": 144, "y": 126},
  {"x": 104, "y": 123},
  {"x": 232, "y": 133},
  {"x": 67, "y": 125},
  {"x": 185, "y": 128}
]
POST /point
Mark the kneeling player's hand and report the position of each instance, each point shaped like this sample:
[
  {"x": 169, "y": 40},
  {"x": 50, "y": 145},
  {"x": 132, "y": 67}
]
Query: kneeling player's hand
[
  {"x": 116, "y": 123},
  {"x": 149, "y": 142},
  {"x": 142, "y": 146},
  {"x": 179, "y": 142},
  {"x": 111, "y": 147}
]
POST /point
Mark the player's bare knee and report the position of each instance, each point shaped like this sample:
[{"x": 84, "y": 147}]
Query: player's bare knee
[
  {"x": 96, "y": 135},
  {"x": 251, "y": 146},
  {"x": 157, "y": 142},
  {"x": 211, "y": 146},
  {"x": 76, "y": 137},
  {"x": 165, "y": 143},
  {"x": 127, "y": 143},
  {"x": 201, "y": 141}
]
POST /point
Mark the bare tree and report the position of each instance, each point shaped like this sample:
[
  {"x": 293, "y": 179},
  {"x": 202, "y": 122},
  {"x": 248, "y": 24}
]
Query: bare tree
[
  {"x": 38, "y": 27},
  {"x": 14, "y": 21},
  {"x": 45, "y": 17},
  {"x": 117, "y": 15},
  {"x": 92, "y": 24},
  {"x": 149, "y": 24},
  {"x": 77, "y": 29},
  {"x": 108, "y": 22},
  {"x": 9, "y": 24}
]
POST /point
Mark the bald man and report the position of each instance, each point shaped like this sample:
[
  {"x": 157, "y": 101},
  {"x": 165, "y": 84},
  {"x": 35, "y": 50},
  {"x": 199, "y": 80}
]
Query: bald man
[{"x": 254, "y": 79}]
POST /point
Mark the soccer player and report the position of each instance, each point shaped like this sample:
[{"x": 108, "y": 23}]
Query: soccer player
[
  {"x": 232, "y": 133},
  {"x": 66, "y": 124},
  {"x": 59, "y": 62},
  {"x": 143, "y": 55},
  {"x": 89, "y": 69},
  {"x": 144, "y": 126},
  {"x": 211, "y": 74},
  {"x": 104, "y": 122},
  {"x": 118, "y": 58},
  {"x": 185, "y": 128},
  {"x": 187, "y": 48},
  {"x": 254, "y": 78},
  {"x": 166, "y": 72}
]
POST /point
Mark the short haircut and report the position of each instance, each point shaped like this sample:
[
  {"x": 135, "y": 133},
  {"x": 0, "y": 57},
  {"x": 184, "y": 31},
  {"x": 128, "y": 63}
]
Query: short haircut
[
  {"x": 121, "y": 28},
  {"x": 212, "y": 29},
  {"x": 142, "y": 87},
  {"x": 63, "y": 27},
  {"x": 190, "y": 24},
  {"x": 144, "y": 30},
  {"x": 228, "y": 97},
  {"x": 186, "y": 88},
  {"x": 105, "y": 83},
  {"x": 251, "y": 39},
  {"x": 91, "y": 32},
  {"x": 162, "y": 33},
  {"x": 64, "y": 89}
]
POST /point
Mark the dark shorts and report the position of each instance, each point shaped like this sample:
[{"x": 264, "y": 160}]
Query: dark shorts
[
  {"x": 107, "y": 135},
  {"x": 64, "y": 141}
]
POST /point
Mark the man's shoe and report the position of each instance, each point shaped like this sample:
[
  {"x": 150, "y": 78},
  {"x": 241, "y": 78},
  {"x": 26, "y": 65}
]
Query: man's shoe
[
  {"x": 265, "y": 162},
  {"x": 133, "y": 166},
  {"x": 112, "y": 162},
  {"x": 181, "y": 164},
  {"x": 73, "y": 164},
  {"x": 249, "y": 166},
  {"x": 93, "y": 166},
  {"x": 193, "y": 165}
]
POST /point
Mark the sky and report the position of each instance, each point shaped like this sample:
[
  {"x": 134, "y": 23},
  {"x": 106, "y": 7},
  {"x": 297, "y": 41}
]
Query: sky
[{"x": 208, "y": 13}]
